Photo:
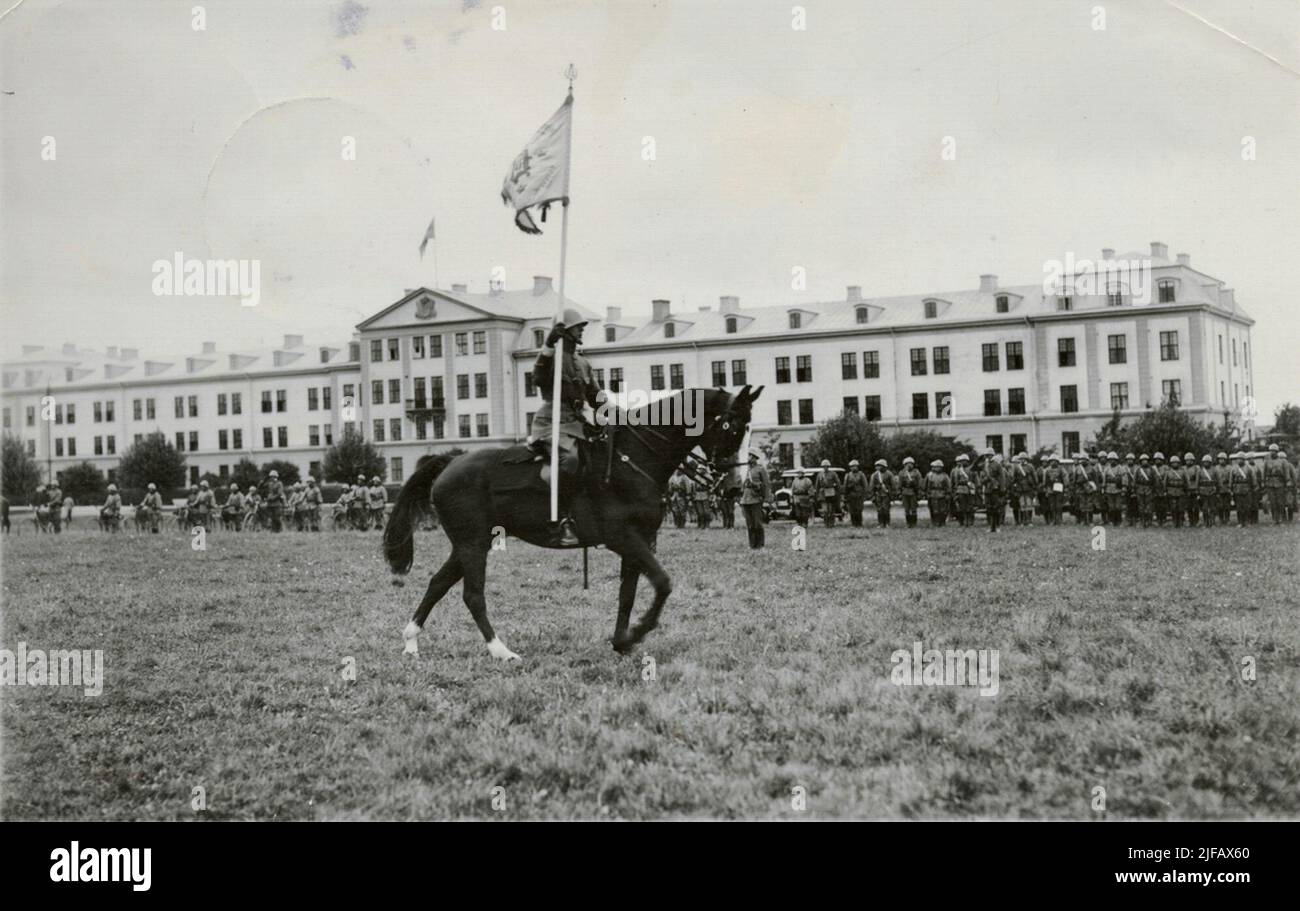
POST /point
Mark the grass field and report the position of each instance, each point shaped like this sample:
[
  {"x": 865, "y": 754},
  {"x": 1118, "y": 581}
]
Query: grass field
[{"x": 1119, "y": 669}]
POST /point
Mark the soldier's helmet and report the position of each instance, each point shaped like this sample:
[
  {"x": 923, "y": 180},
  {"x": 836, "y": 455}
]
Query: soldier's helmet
[
  {"x": 962, "y": 457},
  {"x": 937, "y": 463},
  {"x": 203, "y": 484},
  {"x": 1222, "y": 455},
  {"x": 1053, "y": 458},
  {"x": 112, "y": 488},
  {"x": 1143, "y": 457},
  {"x": 997, "y": 457},
  {"x": 1272, "y": 447},
  {"x": 1189, "y": 457},
  {"x": 311, "y": 482},
  {"x": 1206, "y": 458},
  {"x": 153, "y": 486},
  {"x": 908, "y": 460},
  {"x": 234, "y": 488},
  {"x": 854, "y": 463},
  {"x": 375, "y": 479},
  {"x": 1114, "y": 456},
  {"x": 571, "y": 318},
  {"x": 1159, "y": 457},
  {"x": 881, "y": 463},
  {"x": 275, "y": 474},
  {"x": 1083, "y": 457},
  {"x": 194, "y": 488},
  {"x": 1130, "y": 457},
  {"x": 1175, "y": 460},
  {"x": 826, "y": 463},
  {"x": 988, "y": 451}
]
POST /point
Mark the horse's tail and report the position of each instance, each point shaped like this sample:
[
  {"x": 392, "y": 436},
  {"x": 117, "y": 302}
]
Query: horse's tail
[{"x": 412, "y": 502}]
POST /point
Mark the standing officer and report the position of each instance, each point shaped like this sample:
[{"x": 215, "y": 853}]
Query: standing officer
[
  {"x": 1291, "y": 474},
  {"x": 882, "y": 486},
  {"x": 1144, "y": 484},
  {"x": 1242, "y": 484},
  {"x": 54, "y": 497},
  {"x": 275, "y": 500},
  {"x": 1054, "y": 482},
  {"x": 855, "y": 492},
  {"x": 910, "y": 483},
  {"x": 963, "y": 489},
  {"x": 679, "y": 496},
  {"x": 1115, "y": 486},
  {"x": 1222, "y": 488},
  {"x": 204, "y": 503},
  {"x": 801, "y": 498},
  {"x": 755, "y": 495},
  {"x": 111, "y": 511},
  {"x": 1176, "y": 490},
  {"x": 1024, "y": 484},
  {"x": 703, "y": 511},
  {"x": 728, "y": 490},
  {"x": 1159, "y": 498},
  {"x": 1130, "y": 498},
  {"x": 378, "y": 500},
  {"x": 1085, "y": 490},
  {"x": 937, "y": 488},
  {"x": 1275, "y": 483},
  {"x": 232, "y": 511},
  {"x": 314, "y": 501},
  {"x": 1206, "y": 491},
  {"x": 995, "y": 489},
  {"x": 1192, "y": 484},
  {"x": 152, "y": 506},
  {"x": 828, "y": 493}
]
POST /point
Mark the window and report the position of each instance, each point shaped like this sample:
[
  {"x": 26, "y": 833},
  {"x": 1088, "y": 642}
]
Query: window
[
  {"x": 931, "y": 309},
  {"x": 97, "y": 412},
  {"x": 530, "y": 385},
  {"x": 1118, "y": 395},
  {"x": 462, "y": 346},
  {"x": 193, "y": 403},
  {"x": 1065, "y": 352},
  {"x": 1234, "y": 352},
  {"x": 395, "y": 429},
  {"x": 1064, "y": 302},
  {"x": 222, "y": 405},
  {"x": 1114, "y": 298},
  {"x": 783, "y": 370},
  {"x": 1003, "y": 303},
  {"x": 376, "y": 392},
  {"x": 137, "y": 409},
  {"x": 1172, "y": 391},
  {"x": 1169, "y": 346},
  {"x": 783, "y": 415},
  {"x": 539, "y": 336},
  {"x": 990, "y": 353},
  {"x": 848, "y": 365},
  {"x": 738, "y": 373},
  {"x": 268, "y": 437},
  {"x": 871, "y": 408},
  {"x": 920, "y": 406},
  {"x": 994, "y": 441},
  {"x": 1069, "y": 399},
  {"x": 237, "y": 438},
  {"x": 861, "y": 315},
  {"x": 785, "y": 453},
  {"x": 850, "y": 404},
  {"x": 803, "y": 368},
  {"x": 1070, "y": 442},
  {"x": 180, "y": 441},
  {"x": 31, "y": 417},
  {"x": 610, "y": 334},
  {"x": 676, "y": 377},
  {"x": 718, "y": 369},
  {"x": 462, "y": 385},
  {"x": 1015, "y": 355},
  {"x": 599, "y": 373},
  {"x": 918, "y": 362},
  {"x": 1220, "y": 349},
  {"x": 480, "y": 385},
  {"x": 376, "y": 350},
  {"x": 395, "y": 472},
  {"x": 58, "y": 414},
  {"x": 379, "y": 430},
  {"x": 313, "y": 399},
  {"x": 1165, "y": 288},
  {"x": 223, "y": 439},
  {"x": 481, "y": 420},
  {"x": 72, "y": 446},
  {"x": 940, "y": 356},
  {"x": 871, "y": 365},
  {"x": 806, "y": 411},
  {"x": 266, "y": 401},
  {"x": 1016, "y": 401},
  {"x": 992, "y": 402},
  {"x": 796, "y": 319},
  {"x": 435, "y": 346},
  {"x": 313, "y": 435},
  {"x": 670, "y": 330},
  {"x": 731, "y": 325},
  {"x": 657, "y": 376},
  {"x": 394, "y": 349},
  {"x": 395, "y": 392},
  {"x": 1245, "y": 362},
  {"x": 943, "y": 405},
  {"x": 615, "y": 379},
  {"x": 99, "y": 445},
  {"x": 58, "y": 446},
  {"x": 194, "y": 441},
  {"x": 236, "y": 404},
  {"x": 1019, "y": 442},
  {"x": 1117, "y": 349},
  {"x": 417, "y": 346},
  {"x": 283, "y": 434},
  {"x": 329, "y": 434},
  {"x": 178, "y": 406},
  {"x": 326, "y": 397},
  {"x": 480, "y": 341}
]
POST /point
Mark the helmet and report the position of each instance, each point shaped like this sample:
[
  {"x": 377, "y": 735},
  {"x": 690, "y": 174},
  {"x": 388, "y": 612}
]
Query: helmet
[
  {"x": 1130, "y": 457},
  {"x": 375, "y": 480},
  {"x": 274, "y": 473},
  {"x": 908, "y": 460},
  {"x": 988, "y": 451},
  {"x": 1222, "y": 455},
  {"x": 962, "y": 457},
  {"x": 1114, "y": 456},
  {"x": 112, "y": 488},
  {"x": 881, "y": 463},
  {"x": 310, "y": 481},
  {"x": 1083, "y": 457},
  {"x": 203, "y": 484},
  {"x": 234, "y": 487},
  {"x": 854, "y": 463},
  {"x": 1189, "y": 457},
  {"x": 193, "y": 488},
  {"x": 997, "y": 457},
  {"x": 571, "y": 318},
  {"x": 1159, "y": 456},
  {"x": 1144, "y": 457},
  {"x": 1053, "y": 458},
  {"x": 361, "y": 478},
  {"x": 1206, "y": 458},
  {"x": 1175, "y": 460},
  {"x": 153, "y": 486},
  {"x": 826, "y": 463},
  {"x": 1236, "y": 455},
  {"x": 1272, "y": 447},
  {"x": 753, "y": 456},
  {"x": 937, "y": 463}
]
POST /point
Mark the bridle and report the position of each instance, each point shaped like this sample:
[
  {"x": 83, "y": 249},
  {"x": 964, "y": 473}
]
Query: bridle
[{"x": 699, "y": 468}]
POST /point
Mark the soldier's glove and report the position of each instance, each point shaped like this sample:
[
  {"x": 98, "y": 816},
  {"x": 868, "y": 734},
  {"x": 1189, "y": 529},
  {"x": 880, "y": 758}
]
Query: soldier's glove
[{"x": 557, "y": 332}]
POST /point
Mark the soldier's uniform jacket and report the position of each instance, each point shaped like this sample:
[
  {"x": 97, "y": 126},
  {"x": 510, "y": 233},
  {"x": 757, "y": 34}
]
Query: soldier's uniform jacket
[
  {"x": 801, "y": 491},
  {"x": 855, "y": 483},
  {"x": 1240, "y": 480},
  {"x": 680, "y": 488},
  {"x": 1205, "y": 479},
  {"x": 1144, "y": 478},
  {"x": 1053, "y": 476},
  {"x": 1115, "y": 479},
  {"x": 204, "y": 501},
  {"x": 252, "y": 501},
  {"x": 274, "y": 492},
  {"x": 313, "y": 496},
  {"x": 936, "y": 485},
  {"x": 1022, "y": 478},
  {"x": 1095, "y": 476},
  {"x": 1158, "y": 473},
  {"x": 234, "y": 502},
  {"x": 961, "y": 480},
  {"x": 1174, "y": 481},
  {"x": 1222, "y": 475},
  {"x": 882, "y": 484},
  {"x": 994, "y": 478},
  {"x": 1275, "y": 473},
  {"x": 701, "y": 493},
  {"x": 757, "y": 488},
  {"x": 910, "y": 480},
  {"x": 152, "y": 500},
  {"x": 578, "y": 386},
  {"x": 378, "y": 496},
  {"x": 828, "y": 485},
  {"x": 113, "y": 505},
  {"x": 1081, "y": 479},
  {"x": 55, "y": 496},
  {"x": 1192, "y": 479}
]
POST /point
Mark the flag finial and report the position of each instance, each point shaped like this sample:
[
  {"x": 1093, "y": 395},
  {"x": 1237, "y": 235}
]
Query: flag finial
[{"x": 570, "y": 73}]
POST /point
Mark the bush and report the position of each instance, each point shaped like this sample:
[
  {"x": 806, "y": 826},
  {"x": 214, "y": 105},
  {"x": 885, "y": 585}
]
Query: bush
[
  {"x": 85, "y": 484},
  {"x": 19, "y": 472},
  {"x": 353, "y": 455},
  {"x": 155, "y": 460}
]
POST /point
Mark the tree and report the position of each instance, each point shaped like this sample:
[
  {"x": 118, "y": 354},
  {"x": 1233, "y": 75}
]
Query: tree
[
  {"x": 1286, "y": 420},
  {"x": 287, "y": 471},
  {"x": 1168, "y": 430},
  {"x": 19, "y": 473},
  {"x": 84, "y": 483},
  {"x": 770, "y": 447},
  {"x": 842, "y": 438},
  {"x": 352, "y": 455},
  {"x": 923, "y": 445},
  {"x": 246, "y": 474},
  {"x": 152, "y": 460}
]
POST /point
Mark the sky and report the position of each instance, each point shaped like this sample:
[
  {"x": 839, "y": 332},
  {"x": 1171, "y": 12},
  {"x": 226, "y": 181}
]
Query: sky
[{"x": 128, "y": 134}]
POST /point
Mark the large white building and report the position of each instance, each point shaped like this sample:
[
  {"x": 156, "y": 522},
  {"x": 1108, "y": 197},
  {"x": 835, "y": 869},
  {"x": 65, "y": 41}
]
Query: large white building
[{"x": 1009, "y": 367}]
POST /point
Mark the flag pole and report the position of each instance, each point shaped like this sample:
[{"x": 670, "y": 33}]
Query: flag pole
[{"x": 556, "y": 385}]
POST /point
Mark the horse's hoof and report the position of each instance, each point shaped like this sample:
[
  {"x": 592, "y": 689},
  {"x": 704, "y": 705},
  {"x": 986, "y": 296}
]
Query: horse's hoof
[
  {"x": 497, "y": 649},
  {"x": 623, "y": 644},
  {"x": 410, "y": 648}
]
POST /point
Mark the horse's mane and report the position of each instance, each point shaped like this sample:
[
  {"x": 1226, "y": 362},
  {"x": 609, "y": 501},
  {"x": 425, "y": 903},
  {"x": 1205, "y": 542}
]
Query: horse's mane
[{"x": 715, "y": 401}]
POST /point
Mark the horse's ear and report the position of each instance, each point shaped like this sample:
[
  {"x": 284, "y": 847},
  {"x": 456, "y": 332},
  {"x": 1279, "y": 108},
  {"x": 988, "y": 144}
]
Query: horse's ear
[
  {"x": 743, "y": 395},
  {"x": 753, "y": 395}
]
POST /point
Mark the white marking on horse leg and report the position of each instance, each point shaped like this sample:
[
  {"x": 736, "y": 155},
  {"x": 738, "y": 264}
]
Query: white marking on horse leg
[
  {"x": 497, "y": 649},
  {"x": 409, "y": 634}
]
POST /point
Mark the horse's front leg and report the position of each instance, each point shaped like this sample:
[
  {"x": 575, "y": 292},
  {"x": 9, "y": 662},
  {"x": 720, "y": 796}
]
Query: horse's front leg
[
  {"x": 630, "y": 575},
  {"x": 637, "y": 551}
]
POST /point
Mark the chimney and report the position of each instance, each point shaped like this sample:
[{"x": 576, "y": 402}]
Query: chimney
[
  {"x": 69, "y": 348},
  {"x": 660, "y": 310},
  {"x": 613, "y": 314},
  {"x": 459, "y": 288},
  {"x": 130, "y": 354},
  {"x": 32, "y": 349},
  {"x": 1159, "y": 250},
  {"x": 854, "y": 293},
  {"x": 111, "y": 352},
  {"x": 494, "y": 288},
  {"x": 292, "y": 341},
  {"x": 209, "y": 347},
  {"x": 1228, "y": 296},
  {"x": 541, "y": 285},
  {"x": 1107, "y": 253},
  {"x": 729, "y": 303},
  {"x": 1185, "y": 259},
  {"x": 988, "y": 283}
]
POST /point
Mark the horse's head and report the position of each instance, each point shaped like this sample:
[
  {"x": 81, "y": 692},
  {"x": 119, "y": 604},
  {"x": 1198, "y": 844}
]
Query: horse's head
[{"x": 727, "y": 422}]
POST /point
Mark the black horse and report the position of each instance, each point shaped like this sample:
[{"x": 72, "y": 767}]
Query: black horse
[{"x": 623, "y": 513}]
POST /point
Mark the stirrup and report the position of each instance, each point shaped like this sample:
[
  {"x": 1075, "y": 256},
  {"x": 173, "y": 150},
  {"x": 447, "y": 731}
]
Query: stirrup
[{"x": 568, "y": 537}]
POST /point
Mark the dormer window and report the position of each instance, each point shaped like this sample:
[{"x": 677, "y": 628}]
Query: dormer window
[
  {"x": 539, "y": 338},
  {"x": 1165, "y": 287},
  {"x": 324, "y": 355},
  {"x": 861, "y": 314},
  {"x": 1003, "y": 303},
  {"x": 1064, "y": 302},
  {"x": 1114, "y": 296},
  {"x": 931, "y": 309},
  {"x": 610, "y": 333},
  {"x": 796, "y": 319},
  {"x": 731, "y": 325},
  {"x": 670, "y": 330}
]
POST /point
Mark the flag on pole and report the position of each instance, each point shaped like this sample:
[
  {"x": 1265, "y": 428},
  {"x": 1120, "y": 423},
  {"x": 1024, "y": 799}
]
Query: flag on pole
[
  {"x": 428, "y": 236},
  {"x": 539, "y": 175}
]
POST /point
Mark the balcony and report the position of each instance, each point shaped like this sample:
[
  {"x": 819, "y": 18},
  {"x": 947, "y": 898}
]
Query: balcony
[{"x": 427, "y": 408}]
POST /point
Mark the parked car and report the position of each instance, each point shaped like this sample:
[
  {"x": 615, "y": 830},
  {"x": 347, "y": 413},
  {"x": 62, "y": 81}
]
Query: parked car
[{"x": 781, "y": 508}]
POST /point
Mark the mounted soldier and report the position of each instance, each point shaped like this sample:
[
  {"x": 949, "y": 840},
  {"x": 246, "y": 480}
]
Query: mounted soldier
[
  {"x": 110, "y": 513},
  {"x": 578, "y": 388},
  {"x": 152, "y": 506}
]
